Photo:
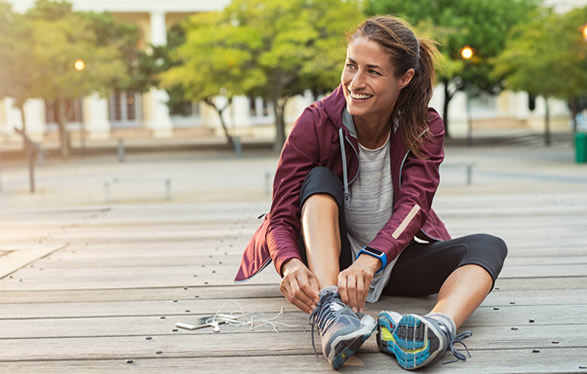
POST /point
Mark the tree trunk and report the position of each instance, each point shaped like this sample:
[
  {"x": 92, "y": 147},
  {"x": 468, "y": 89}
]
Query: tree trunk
[
  {"x": 222, "y": 123},
  {"x": 279, "y": 111},
  {"x": 547, "y": 140},
  {"x": 64, "y": 142},
  {"x": 447, "y": 98},
  {"x": 23, "y": 120},
  {"x": 574, "y": 107}
]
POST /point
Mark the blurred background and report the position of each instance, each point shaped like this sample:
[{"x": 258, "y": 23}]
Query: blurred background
[
  {"x": 80, "y": 72},
  {"x": 108, "y": 78}
]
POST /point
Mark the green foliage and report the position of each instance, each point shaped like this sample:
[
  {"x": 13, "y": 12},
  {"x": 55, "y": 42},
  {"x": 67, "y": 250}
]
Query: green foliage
[
  {"x": 271, "y": 48},
  {"x": 38, "y": 51},
  {"x": 481, "y": 24},
  {"x": 548, "y": 56},
  {"x": 18, "y": 71},
  {"x": 58, "y": 44}
]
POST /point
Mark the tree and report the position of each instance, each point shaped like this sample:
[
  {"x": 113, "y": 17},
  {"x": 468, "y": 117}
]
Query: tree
[
  {"x": 18, "y": 71},
  {"x": 480, "y": 24},
  {"x": 269, "y": 48},
  {"x": 547, "y": 57},
  {"x": 60, "y": 38},
  {"x": 210, "y": 62}
]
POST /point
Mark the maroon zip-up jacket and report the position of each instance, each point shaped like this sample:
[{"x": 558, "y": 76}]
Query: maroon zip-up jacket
[{"x": 315, "y": 140}]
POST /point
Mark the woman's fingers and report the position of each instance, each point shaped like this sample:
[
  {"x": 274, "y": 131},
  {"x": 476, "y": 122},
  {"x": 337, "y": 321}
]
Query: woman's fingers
[
  {"x": 353, "y": 287},
  {"x": 301, "y": 289}
]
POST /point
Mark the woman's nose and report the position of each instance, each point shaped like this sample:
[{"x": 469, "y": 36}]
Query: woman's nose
[{"x": 357, "y": 81}]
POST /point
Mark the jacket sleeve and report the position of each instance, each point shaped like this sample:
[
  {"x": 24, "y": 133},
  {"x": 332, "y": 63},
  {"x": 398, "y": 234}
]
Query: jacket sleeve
[
  {"x": 299, "y": 155},
  {"x": 413, "y": 201}
]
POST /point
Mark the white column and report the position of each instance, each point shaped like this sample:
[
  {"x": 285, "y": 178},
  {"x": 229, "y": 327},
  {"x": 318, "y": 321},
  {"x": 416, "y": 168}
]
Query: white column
[
  {"x": 34, "y": 111},
  {"x": 241, "y": 111},
  {"x": 157, "y": 114},
  {"x": 12, "y": 118},
  {"x": 96, "y": 121}
]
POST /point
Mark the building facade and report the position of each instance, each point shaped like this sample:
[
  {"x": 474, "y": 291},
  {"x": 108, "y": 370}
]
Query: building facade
[{"x": 130, "y": 112}]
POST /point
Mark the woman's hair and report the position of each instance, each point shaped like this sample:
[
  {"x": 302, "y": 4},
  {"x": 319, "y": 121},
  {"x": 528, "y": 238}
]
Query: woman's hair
[{"x": 406, "y": 52}]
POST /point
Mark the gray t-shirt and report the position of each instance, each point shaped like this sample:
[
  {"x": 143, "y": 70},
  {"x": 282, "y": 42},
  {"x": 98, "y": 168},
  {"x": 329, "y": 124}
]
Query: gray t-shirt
[{"x": 370, "y": 207}]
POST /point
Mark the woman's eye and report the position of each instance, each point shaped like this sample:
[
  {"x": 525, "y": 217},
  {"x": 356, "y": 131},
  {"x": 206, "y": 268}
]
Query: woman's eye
[
  {"x": 350, "y": 66},
  {"x": 375, "y": 72}
]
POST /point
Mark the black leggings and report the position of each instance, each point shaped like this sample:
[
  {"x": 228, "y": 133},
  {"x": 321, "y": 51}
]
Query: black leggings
[{"x": 421, "y": 268}]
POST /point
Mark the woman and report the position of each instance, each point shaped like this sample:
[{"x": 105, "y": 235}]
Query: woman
[{"x": 351, "y": 216}]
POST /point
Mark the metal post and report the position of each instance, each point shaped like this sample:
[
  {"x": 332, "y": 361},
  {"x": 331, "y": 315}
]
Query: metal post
[
  {"x": 30, "y": 154},
  {"x": 469, "y": 117},
  {"x": 238, "y": 147},
  {"x": 469, "y": 174},
  {"x": 120, "y": 150},
  {"x": 31, "y": 162}
]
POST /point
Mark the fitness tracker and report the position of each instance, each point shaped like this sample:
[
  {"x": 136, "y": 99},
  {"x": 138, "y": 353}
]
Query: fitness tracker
[{"x": 375, "y": 253}]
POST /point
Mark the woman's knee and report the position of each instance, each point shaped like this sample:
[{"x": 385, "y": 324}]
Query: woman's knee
[
  {"x": 321, "y": 181},
  {"x": 497, "y": 245},
  {"x": 322, "y": 202}
]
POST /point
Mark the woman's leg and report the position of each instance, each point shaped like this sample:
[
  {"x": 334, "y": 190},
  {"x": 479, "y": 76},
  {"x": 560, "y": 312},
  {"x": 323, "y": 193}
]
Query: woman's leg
[
  {"x": 462, "y": 271},
  {"x": 325, "y": 249},
  {"x": 462, "y": 293},
  {"x": 321, "y": 238}
]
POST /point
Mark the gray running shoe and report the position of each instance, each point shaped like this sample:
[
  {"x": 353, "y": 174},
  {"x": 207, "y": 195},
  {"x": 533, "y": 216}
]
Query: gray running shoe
[
  {"x": 341, "y": 330},
  {"x": 417, "y": 341}
]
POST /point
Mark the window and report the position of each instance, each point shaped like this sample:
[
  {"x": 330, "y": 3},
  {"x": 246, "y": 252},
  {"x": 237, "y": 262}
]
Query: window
[
  {"x": 124, "y": 108},
  {"x": 72, "y": 113},
  {"x": 258, "y": 107}
]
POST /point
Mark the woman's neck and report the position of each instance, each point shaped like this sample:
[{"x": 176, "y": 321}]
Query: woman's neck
[{"x": 372, "y": 134}]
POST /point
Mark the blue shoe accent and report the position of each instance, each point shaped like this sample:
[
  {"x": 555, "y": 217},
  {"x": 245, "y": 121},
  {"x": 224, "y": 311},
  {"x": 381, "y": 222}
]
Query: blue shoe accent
[
  {"x": 417, "y": 341},
  {"x": 386, "y": 323}
]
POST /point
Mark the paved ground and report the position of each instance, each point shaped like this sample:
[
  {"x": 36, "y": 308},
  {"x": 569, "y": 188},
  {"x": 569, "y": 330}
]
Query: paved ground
[{"x": 198, "y": 176}]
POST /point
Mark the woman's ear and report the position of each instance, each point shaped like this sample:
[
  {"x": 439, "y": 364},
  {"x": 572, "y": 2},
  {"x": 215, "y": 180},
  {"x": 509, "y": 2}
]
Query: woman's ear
[{"x": 406, "y": 78}]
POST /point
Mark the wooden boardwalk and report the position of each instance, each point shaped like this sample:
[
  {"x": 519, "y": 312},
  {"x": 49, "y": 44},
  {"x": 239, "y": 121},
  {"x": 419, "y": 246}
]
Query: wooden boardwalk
[{"x": 99, "y": 290}]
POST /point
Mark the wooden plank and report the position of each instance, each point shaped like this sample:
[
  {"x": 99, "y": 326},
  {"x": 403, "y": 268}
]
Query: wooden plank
[
  {"x": 291, "y": 321},
  {"x": 511, "y": 361},
  {"x": 16, "y": 259},
  {"x": 556, "y": 290},
  {"x": 257, "y": 344},
  {"x": 507, "y": 313},
  {"x": 148, "y": 276},
  {"x": 240, "y": 291},
  {"x": 81, "y": 258}
]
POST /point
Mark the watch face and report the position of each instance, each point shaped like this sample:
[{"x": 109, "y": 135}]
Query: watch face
[{"x": 376, "y": 252}]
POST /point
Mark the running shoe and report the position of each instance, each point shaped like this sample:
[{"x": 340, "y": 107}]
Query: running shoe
[
  {"x": 387, "y": 321},
  {"x": 342, "y": 332},
  {"x": 417, "y": 341}
]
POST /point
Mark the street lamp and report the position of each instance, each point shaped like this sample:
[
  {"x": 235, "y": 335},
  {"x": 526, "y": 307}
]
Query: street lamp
[
  {"x": 467, "y": 54},
  {"x": 79, "y": 65}
]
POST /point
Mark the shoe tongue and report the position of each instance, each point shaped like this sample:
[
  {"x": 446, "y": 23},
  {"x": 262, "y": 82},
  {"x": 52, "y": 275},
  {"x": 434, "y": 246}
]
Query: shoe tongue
[
  {"x": 328, "y": 289},
  {"x": 336, "y": 306}
]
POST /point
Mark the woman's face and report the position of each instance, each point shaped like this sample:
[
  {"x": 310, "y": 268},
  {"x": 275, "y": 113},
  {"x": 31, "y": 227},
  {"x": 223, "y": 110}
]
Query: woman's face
[{"x": 370, "y": 85}]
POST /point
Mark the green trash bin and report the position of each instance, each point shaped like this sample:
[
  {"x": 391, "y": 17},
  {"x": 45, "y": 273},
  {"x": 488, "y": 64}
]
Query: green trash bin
[{"x": 581, "y": 147}]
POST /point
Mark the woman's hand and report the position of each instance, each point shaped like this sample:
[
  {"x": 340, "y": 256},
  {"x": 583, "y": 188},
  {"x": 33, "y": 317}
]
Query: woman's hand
[
  {"x": 299, "y": 285},
  {"x": 354, "y": 281}
]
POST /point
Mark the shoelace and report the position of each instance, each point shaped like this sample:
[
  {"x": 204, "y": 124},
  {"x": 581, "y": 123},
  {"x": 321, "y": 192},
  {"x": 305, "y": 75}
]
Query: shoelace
[
  {"x": 322, "y": 315},
  {"x": 458, "y": 339}
]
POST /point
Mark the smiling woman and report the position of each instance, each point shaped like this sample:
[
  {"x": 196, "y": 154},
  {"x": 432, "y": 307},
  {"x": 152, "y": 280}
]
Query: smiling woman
[{"x": 352, "y": 218}]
